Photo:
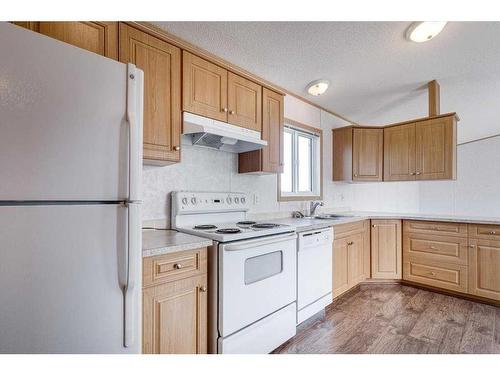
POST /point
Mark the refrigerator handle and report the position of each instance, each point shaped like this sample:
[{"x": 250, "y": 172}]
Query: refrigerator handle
[
  {"x": 133, "y": 270},
  {"x": 135, "y": 88}
]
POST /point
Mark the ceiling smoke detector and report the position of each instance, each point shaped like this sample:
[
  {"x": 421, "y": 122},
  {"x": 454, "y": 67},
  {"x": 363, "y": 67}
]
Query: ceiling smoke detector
[
  {"x": 420, "y": 32},
  {"x": 318, "y": 87}
]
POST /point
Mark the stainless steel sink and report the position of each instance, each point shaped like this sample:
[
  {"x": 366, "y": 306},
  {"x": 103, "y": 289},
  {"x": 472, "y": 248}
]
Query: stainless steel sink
[{"x": 330, "y": 217}]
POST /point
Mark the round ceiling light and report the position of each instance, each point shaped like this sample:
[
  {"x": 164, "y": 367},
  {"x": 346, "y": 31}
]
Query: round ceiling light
[
  {"x": 423, "y": 31},
  {"x": 318, "y": 87}
]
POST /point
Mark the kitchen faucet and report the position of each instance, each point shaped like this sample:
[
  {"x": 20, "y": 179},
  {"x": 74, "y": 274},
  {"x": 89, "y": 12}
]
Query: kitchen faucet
[{"x": 313, "y": 206}]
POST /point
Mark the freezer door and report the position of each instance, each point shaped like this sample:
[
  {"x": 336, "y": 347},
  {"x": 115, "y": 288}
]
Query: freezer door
[
  {"x": 64, "y": 121},
  {"x": 69, "y": 282}
]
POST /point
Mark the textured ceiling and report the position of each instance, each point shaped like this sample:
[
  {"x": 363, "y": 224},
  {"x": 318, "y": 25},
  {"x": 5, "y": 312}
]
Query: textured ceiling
[{"x": 376, "y": 75}]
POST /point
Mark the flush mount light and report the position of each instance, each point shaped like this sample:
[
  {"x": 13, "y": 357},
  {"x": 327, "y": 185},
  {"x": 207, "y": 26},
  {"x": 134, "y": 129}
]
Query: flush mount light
[
  {"x": 423, "y": 31},
  {"x": 318, "y": 87}
]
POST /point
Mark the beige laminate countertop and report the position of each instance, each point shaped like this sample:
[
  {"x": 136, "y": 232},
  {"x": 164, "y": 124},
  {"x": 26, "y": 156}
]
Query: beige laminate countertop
[
  {"x": 157, "y": 242},
  {"x": 305, "y": 224}
]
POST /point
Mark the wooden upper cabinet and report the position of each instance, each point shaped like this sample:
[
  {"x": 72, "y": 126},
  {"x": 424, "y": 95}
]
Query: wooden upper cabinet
[
  {"x": 161, "y": 63},
  {"x": 244, "y": 100},
  {"x": 367, "y": 154},
  {"x": 399, "y": 153},
  {"x": 95, "y": 36},
  {"x": 270, "y": 158},
  {"x": 436, "y": 149},
  {"x": 386, "y": 249},
  {"x": 357, "y": 154},
  {"x": 204, "y": 88}
]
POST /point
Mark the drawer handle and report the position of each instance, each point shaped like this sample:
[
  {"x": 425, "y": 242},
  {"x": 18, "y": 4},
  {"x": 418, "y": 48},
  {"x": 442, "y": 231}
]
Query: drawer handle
[
  {"x": 177, "y": 266},
  {"x": 432, "y": 273},
  {"x": 433, "y": 248},
  {"x": 471, "y": 246},
  {"x": 493, "y": 232},
  {"x": 350, "y": 243},
  {"x": 203, "y": 289}
]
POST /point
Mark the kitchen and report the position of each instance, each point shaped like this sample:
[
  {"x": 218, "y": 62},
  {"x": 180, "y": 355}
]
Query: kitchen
[{"x": 249, "y": 211}]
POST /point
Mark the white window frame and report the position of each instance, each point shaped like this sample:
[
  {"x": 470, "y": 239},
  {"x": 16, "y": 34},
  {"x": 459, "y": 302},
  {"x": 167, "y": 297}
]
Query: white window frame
[{"x": 315, "y": 191}]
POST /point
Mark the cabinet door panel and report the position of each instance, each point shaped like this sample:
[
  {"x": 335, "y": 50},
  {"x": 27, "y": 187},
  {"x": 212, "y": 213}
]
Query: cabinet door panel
[
  {"x": 175, "y": 317},
  {"x": 355, "y": 247},
  {"x": 340, "y": 282},
  {"x": 484, "y": 268},
  {"x": 399, "y": 153},
  {"x": 204, "y": 88},
  {"x": 98, "y": 37},
  {"x": 386, "y": 249},
  {"x": 160, "y": 62},
  {"x": 367, "y": 158},
  {"x": 244, "y": 99},
  {"x": 434, "y": 149}
]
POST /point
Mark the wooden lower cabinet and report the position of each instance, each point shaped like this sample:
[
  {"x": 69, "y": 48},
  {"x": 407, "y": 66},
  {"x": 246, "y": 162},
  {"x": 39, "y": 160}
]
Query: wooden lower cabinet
[
  {"x": 174, "y": 317},
  {"x": 351, "y": 256},
  {"x": 386, "y": 249},
  {"x": 437, "y": 274},
  {"x": 484, "y": 268}
]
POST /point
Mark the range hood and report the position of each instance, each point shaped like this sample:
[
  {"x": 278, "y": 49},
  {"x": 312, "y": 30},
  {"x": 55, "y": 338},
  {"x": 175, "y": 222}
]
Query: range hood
[{"x": 203, "y": 131}]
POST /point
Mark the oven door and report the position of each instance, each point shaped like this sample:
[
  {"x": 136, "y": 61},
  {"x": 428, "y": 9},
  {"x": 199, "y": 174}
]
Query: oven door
[{"x": 256, "y": 278}]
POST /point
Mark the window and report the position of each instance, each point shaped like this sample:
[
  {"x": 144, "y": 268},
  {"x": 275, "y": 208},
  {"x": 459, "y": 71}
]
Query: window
[{"x": 301, "y": 177}]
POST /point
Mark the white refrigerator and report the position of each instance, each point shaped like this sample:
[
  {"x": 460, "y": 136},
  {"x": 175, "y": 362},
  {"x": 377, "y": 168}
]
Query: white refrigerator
[{"x": 70, "y": 179}]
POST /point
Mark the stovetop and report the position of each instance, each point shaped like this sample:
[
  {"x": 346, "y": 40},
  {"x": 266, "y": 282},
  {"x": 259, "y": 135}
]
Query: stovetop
[{"x": 232, "y": 231}]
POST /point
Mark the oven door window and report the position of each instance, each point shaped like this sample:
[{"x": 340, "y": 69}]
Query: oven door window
[{"x": 263, "y": 267}]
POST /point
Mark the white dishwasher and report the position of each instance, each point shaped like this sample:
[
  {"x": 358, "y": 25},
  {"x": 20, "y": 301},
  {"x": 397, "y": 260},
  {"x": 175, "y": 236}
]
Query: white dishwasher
[{"x": 314, "y": 272}]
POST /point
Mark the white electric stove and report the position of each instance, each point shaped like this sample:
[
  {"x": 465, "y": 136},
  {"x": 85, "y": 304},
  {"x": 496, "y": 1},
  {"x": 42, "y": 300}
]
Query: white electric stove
[{"x": 252, "y": 271}]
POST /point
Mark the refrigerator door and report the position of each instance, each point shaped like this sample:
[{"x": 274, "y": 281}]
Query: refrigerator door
[
  {"x": 70, "y": 279},
  {"x": 65, "y": 121}
]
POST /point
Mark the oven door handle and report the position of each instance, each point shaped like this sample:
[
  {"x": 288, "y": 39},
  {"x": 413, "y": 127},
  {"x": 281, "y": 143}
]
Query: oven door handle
[{"x": 259, "y": 242}]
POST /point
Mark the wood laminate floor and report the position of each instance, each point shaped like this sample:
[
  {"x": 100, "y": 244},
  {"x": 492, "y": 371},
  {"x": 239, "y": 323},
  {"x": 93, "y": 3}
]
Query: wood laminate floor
[{"x": 399, "y": 319}]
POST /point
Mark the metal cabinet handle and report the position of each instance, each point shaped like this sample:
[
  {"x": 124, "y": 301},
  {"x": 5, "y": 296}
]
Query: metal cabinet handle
[
  {"x": 418, "y": 173},
  {"x": 203, "y": 288},
  {"x": 493, "y": 232},
  {"x": 177, "y": 148},
  {"x": 177, "y": 266},
  {"x": 433, "y": 247},
  {"x": 355, "y": 175},
  {"x": 412, "y": 174},
  {"x": 350, "y": 243},
  {"x": 231, "y": 112},
  {"x": 373, "y": 225},
  {"x": 432, "y": 273},
  {"x": 471, "y": 246},
  {"x": 224, "y": 110}
]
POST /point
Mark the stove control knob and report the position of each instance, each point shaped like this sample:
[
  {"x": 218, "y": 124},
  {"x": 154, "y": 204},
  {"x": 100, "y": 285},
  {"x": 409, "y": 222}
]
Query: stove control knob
[
  {"x": 236, "y": 200},
  {"x": 229, "y": 200},
  {"x": 193, "y": 200},
  {"x": 184, "y": 201},
  {"x": 243, "y": 200}
]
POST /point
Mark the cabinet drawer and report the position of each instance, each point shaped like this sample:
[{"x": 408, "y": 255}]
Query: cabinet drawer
[
  {"x": 437, "y": 274},
  {"x": 175, "y": 266},
  {"x": 343, "y": 230},
  {"x": 436, "y": 227},
  {"x": 486, "y": 232},
  {"x": 447, "y": 249}
]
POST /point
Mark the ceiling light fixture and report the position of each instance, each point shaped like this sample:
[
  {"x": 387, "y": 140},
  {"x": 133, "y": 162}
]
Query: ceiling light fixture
[
  {"x": 318, "y": 87},
  {"x": 423, "y": 31}
]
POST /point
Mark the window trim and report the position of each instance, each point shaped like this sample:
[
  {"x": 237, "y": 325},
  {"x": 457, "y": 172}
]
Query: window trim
[{"x": 298, "y": 196}]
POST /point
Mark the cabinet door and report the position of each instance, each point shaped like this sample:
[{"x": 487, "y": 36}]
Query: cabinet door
[
  {"x": 436, "y": 149},
  {"x": 386, "y": 249},
  {"x": 160, "y": 62},
  {"x": 340, "y": 270},
  {"x": 356, "y": 259},
  {"x": 342, "y": 154},
  {"x": 484, "y": 268},
  {"x": 367, "y": 154},
  {"x": 204, "y": 87},
  {"x": 99, "y": 37},
  {"x": 399, "y": 153},
  {"x": 175, "y": 317},
  {"x": 244, "y": 101}
]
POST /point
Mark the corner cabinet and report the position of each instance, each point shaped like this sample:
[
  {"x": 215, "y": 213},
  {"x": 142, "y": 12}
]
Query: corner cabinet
[
  {"x": 161, "y": 63},
  {"x": 423, "y": 150},
  {"x": 357, "y": 154},
  {"x": 175, "y": 303},
  {"x": 270, "y": 158},
  {"x": 96, "y": 36},
  {"x": 386, "y": 249},
  {"x": 351, "y": 256}
]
